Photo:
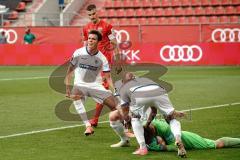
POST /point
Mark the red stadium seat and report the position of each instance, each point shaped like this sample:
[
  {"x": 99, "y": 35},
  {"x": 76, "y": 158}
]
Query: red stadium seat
[
  {"x": 21, "y": 7},
  {"x": 238, "y": 10},
  {"x": 120, "y": 13},
  {"x": 163, "y": 20},
  {"x": 220, "y": 10},
  {"x": 193, "y": 20},
  {"x": 199, "y": 11},
  {"x": 235, "y": 2},
  {"x": 108, "y": 4},
  {"x": 133, "y": 21},
  {"x": 234, "y": 19},
  {"x": 166, "y": 3},
  {"x": 111, "y": 13},
  {"x": 215, "y": 2},
  {"x": 182, "y": 20},
  {"x": 230, "y": 10},
  {"x": 205, "y": 2},
  {"x": 143, "y": 21},
  {"x": 159, "y": 12},
  {"x": 189, "y": 11},
  {"x": 179, "y": 11},
  {"x": 172, "y": 20},
  {"x": 146, "y": 3},
  {"x": 223, "y": 19},
  {"x": 203, "y": 20},
  {"x": 149, "y": 12},
  {"x": 123, "y": 21},
  {"x": 127, "y": 3},
  {"x": 114, "y": 21},
  {"x": 117, "y": 4},
  {"x": 153, "y": 21},
  {"x": 156, "y": 3},
  {"x": 169, "y": 11},
  {"x": 137, "y": 3},
  {"x": 186, "y": 3},
  {"x": 209, "y": 11},
  {"x": 213, "y": 19},
  {"x": 130, "y": 12},
  {"x": 102, "y": 13},
  {"x": 195, "y": 3},
  {"x": 140, "y": 12},
  {"x": 176, "y": 3},
  {"x": 13, "y": 15},
  {"x": 226, "y": 2}
]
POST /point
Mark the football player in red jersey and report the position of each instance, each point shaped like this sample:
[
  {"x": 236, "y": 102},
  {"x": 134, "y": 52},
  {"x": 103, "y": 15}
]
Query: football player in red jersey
[{"x": 108, "y": 46}]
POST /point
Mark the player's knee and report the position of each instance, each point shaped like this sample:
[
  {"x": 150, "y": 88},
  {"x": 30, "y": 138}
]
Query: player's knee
[{"x": 114, "y": 115}]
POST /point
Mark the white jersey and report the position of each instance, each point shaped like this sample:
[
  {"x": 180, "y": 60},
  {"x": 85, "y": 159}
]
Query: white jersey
[{"x": 88, "y": 67}]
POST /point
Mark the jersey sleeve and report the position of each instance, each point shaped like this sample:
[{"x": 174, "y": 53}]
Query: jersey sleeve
[
  {"x": 73, "y": 60},
  {"x": 154, "y": 146},
  {"x": 106, "y": 67}
]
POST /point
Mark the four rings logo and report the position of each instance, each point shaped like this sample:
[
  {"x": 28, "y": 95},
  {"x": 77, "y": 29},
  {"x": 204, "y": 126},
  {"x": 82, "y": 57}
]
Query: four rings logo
[
  {"x": 11, "y": 35},
  {"x": 183, "y": 53},
  {"x": 122, "y": 35},
  {"x": 227, "y": 34}
]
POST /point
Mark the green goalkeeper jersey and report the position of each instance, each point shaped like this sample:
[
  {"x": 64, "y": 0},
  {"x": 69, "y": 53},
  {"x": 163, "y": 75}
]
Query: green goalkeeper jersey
[{"x": 189, "y": 139}]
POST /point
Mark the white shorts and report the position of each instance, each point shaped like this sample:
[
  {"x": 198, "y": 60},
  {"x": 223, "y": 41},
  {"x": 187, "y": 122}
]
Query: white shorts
[
  {"x": 161, "y": 102},
  {"x": 96, "y": 91}
]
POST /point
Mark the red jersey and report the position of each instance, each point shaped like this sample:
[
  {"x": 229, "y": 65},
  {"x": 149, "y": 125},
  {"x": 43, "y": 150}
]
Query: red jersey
[{"x": 104, "y": 45}]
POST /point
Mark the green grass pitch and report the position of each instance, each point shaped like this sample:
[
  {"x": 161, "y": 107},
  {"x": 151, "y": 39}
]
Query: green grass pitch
[{"x": 27, "y": 104}]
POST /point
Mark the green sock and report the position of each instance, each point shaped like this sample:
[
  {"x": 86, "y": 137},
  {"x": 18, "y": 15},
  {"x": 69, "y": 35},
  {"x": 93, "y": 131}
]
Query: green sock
[{"x": 230, "y": 142}]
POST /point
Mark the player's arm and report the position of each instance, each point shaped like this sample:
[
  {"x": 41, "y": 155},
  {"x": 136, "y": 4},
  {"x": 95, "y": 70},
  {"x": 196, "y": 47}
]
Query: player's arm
[
  {"x": 151, "y": 116},
  {"x": 108, "y": 78},
  {"x": 68, "y": 79},
  {"x": 116, "y": 51}
]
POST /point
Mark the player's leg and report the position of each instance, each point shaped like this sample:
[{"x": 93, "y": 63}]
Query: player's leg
[
  {"x": 99, "y": 107},
  {"x": 230, "y": 142},
  {"x": 138, "y": 129},
  {"x": 116, "y": 124},
  {"x": 78, "y": 102},
  {"x": 164, "y": 105}
]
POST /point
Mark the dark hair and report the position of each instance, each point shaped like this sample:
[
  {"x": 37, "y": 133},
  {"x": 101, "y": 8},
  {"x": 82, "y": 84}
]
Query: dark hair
[
  {"x": 99, "y": 35},
  {"x": 91, "y": 7}
]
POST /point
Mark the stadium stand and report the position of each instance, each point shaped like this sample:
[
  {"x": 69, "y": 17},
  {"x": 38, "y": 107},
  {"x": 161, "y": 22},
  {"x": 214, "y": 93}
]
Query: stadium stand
[{"x": 171, "y": 11}]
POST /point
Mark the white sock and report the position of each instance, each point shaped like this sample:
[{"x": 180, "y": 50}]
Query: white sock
[
  {"x": 138, "y": 132},
  {"x": 82, "y": 112},
  {"x": 117, "y": 126},
  {"x": 176, "y": 129}
]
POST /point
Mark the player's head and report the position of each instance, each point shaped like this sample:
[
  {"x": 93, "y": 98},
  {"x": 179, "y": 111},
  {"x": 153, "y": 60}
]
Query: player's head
[
  {"x": 94, "y": 37},
  {"x": 92, "y": 13},
  {"x": 127, "y": 77},
  {"x": 27, "y": 30}
]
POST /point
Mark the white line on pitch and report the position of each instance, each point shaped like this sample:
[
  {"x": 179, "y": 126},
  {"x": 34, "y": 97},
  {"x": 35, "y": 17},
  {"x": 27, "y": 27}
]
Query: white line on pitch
[
  {"x": 26, "y": 78},
  {"x": 79, "y": 125}
]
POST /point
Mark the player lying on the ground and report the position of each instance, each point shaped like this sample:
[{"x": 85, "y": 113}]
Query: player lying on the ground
[
  {"x": 136, "y": 93},
  {"x": 159, "y": 137}
]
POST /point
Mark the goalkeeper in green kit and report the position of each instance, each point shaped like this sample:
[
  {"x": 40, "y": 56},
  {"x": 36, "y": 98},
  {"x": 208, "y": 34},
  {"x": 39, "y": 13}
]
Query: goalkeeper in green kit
[{"x": 158, "y": 137}]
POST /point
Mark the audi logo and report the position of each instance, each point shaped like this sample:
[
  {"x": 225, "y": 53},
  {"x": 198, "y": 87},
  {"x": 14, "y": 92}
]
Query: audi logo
[
  {"x": 227, "y": 34},
  {"x": 11, "y": 35},
  {"x": 183, "y": 53},
  {"x": 122, "y": 35}
]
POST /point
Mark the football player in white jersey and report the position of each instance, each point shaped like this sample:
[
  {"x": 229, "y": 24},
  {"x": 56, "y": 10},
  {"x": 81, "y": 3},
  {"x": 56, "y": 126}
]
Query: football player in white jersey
[{"x": 88, "y": 63}]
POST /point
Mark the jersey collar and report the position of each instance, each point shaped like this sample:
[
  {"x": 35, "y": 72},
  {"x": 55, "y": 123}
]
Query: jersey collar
[{"x": 90, "y": 53}]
